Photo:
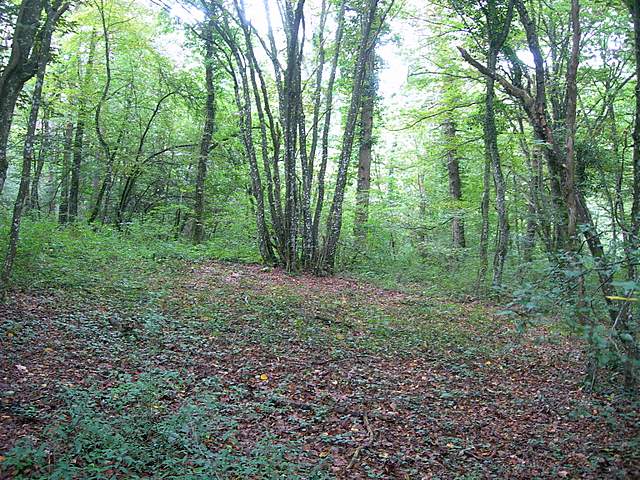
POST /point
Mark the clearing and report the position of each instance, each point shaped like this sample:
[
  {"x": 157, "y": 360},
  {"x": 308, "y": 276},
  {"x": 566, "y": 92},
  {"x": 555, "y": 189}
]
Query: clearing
[{"x": 224, "y": 370}]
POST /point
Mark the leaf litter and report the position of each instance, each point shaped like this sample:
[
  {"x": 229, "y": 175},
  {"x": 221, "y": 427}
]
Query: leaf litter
[{"x": 365, "y": 382}]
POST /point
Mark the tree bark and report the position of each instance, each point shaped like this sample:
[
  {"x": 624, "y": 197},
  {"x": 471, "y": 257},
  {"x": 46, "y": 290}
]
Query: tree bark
[
  {"x": 455, "y": 183},
  {"x": 364, "y": 151},
  {"x": 34, "y": 192},
  {"x": 63, "y": 209},
  {"x": 292, "y": 112},
  {"x": 422, "y": 209},
  {"x": 242, "y": 95},
  {"x": 631, "y": 346},
  {"x": 484, "y": 229},
  {"x": 334, "y": 221},
  {"x": 324, "y": 158},
  {"x": 497, "y": 33},
  {"x": 634, "y": 234},
  {"x": 207, "y": 134},
  {"x": 110, "y": 153},
  {"x": 74, "y": 187},
  {"x": 53, "y": 14},
  {"x": 267, "y": 122},
  {"x": 21, "y": 66},
  {"x": 571, "y": 99},
  {"x": 536, "y": 109}
]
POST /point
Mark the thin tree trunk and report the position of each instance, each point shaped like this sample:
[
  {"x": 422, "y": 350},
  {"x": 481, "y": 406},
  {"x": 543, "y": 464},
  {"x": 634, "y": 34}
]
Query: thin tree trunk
[
  {"x": 263, "y": 107},
  {"x": 34, "y": 193},
  {"x": 242, "y": 94},
  {"x": 484, "y": 229},
  {"x": 364, "y": 151},
  {"x": 497, "y": 32},
  {"x": 108, "y": 153},
  {"x": 74, "y": 190},
  {"x": 631, "y": 344},
  {"x": 205, "y": 142},
  {"x": 315, "y": 228},
  {"x": 422, "y": 209},
  {"x": 74, "y": 187},
  {"x": 634, "y": 235},
  {"x": 491, "y": 148},
  {"x": 63, "y": 210},
  {"x": 292, "y": 112},
  {"x": 536, "y": 109},
  {"x": 334, "y": 220},
  {"x": 571, "y": 102},
  {"x": 536, "y": 215},
  {"x": 455, "y": 184}
]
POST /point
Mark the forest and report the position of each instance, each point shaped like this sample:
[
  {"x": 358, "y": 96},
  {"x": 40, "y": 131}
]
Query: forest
[{"x": 319, "y": 239}]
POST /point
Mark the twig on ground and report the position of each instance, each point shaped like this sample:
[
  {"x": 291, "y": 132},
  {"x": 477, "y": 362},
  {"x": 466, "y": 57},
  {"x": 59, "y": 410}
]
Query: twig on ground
[{"x": 367, "y": 443}]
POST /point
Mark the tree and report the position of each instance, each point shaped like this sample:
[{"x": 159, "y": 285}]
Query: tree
[
  {"x": 455, "y": 184},
  {"x": 365, "y": 149},
  {"x": 326, "y": 261},
  {"x": 54, "y": 12},
  {"x": 207, "y": 131},
  {"x": 497, "y": 28},
  {"x": 29, "y": 38}
]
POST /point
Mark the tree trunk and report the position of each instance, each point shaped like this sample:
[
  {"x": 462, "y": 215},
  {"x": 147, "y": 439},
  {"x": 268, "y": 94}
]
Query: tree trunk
[
  {"x": 570, "y": 138},
  {"x": 491, "y": 148},
  {"x": 292, "y": 111},
  {"x": 422, "y": 209},
  {"x": 34, "y": 193},
  {"x": 484, "y": 229},
  {"x": 536, "y": 109},
  {"x": 631, "y": 345},
  {"x": 27, "y": 156},
  {"x": 205, "y": 142},
  {"x": 243, "y": 102},
  {"x": 634, "y": 235},
  {"x": 21, "y": 66},
  {"x": 63, "y": 210},
  {"x": 455, "y": 184},
  {"x": 74, "y": 188},
  {"x": 364, "y": 151},
  {"x": 315, "y": 228},
  {"x": 334, "y": 220},
  {"x": 109, "y": 154}
]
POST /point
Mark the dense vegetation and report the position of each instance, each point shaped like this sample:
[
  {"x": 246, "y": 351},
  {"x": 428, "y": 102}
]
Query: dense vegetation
[{"x": 319, "y": 238}]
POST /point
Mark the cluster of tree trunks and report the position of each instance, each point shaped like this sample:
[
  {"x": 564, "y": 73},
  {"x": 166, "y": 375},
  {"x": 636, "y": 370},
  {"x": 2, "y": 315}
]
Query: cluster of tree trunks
[
  {"x": 287, "y": 163},
  {"x": 282, "y": 184}
]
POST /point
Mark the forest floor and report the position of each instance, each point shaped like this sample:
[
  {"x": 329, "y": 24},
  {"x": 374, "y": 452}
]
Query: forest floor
[{"x": 223, "y": 370}]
